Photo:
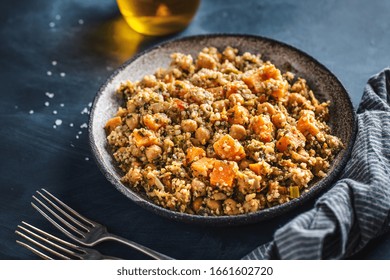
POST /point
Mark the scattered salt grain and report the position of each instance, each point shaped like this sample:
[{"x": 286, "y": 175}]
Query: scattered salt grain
[
  {"x": 54, "y": 126},
  {"x": 58, "y": 17},
  {"x": 89, "y": 104},
  {"x": 84, "y": 125},
  {"x": 71, "y": 124},
  {"x": 58, "y": 122},
  {"x": 54, "y": 63},
  {"x": 85, "y": 111},
  {"x": 62, "y": 105},
  {"x": 16, "y": 106},
  {"x": 81, "y": 21},
  {"x": 50, "y": 95},
  {"x": 47, "y": 104},
  {"x": 54, "y": 112},
  {"x": 49, "y": 73},
  {"x": 71, "y": 145},
  {"x": 86, "y": 158},
  {"x": 31, "y": 112},
  {"x": 62, "y": 74},
  {"x": 52, "y": 24},
  {"x": 80, "y": 132},
  {"x": 77, "y": 137}
]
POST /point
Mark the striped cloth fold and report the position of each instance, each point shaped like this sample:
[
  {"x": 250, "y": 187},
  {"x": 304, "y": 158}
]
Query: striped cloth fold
[{"x": 357, "y": 208}]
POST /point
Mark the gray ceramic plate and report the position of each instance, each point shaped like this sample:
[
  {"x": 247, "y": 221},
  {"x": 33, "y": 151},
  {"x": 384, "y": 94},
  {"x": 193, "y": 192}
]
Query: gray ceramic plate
[{"x": 325, "y": 85}]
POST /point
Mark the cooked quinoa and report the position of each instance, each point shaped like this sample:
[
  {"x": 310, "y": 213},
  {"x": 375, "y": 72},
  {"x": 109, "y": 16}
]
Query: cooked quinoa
[{"x": 221, "y": 134}]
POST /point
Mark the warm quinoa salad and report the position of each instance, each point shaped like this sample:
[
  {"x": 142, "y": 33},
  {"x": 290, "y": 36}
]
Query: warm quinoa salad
[{"x": 222, "y": 133}]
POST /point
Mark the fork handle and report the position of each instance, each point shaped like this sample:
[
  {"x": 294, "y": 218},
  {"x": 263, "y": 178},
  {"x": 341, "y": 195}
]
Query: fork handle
[{"x": 147, "y": 251}]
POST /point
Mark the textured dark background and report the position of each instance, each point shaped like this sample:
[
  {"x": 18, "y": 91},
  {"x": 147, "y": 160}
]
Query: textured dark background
[{"x": 88, "y": 40}]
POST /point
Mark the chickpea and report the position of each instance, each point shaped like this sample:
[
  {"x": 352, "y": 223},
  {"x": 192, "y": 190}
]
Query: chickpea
[
  {"x": 220, "y": 105},
  {"x": 219, "y": 196},
  {"x": 198, "y": 187},
  {"x": 131, "y": 107},
  {"x": 153, "y": 152},
  {"x": 251, "y": 205},
  {"x": 134, "y": 175},
  {"x": 168, "y": 145},
  {"x": 236, "y": 98},
  {"x": 230, "y": 207},
  {"x": 237, "y": 131},
  {"x": 197, "y": 203},
  {"x": 132, "y": 121},
  {"x": 189, "y": 125},
  {"x": 202, "y": 134},
  {"x": 214, "y": 205},
  {"x": 279, "y": 120}
]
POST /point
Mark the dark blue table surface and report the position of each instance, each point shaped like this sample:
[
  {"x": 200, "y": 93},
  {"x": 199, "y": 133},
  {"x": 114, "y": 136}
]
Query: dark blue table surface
[{"x": 54, "y": 57}]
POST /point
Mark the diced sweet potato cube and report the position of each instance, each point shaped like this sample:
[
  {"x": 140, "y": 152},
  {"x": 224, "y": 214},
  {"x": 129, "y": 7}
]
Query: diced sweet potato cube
[
  {"x": 238, "y": 115},
  {"x": 260, "y": 168},
  {"x": 181, "y": 105},
  {"x": 229, "y": 148},
  {"x": 194, "y": 154},
  {"x": 223, "y": 173},
  {"x": 203, "y": 166},
  {"x": 283, "y": 143},
  {"x": 263, "y": 127},
  {"x": 307, "y": 123},
  {"x": 291, "y": 140},
  {"x": 155, "y": 121},
  {"x": 267, "y": 79},
  {"x": 112, "y": 123},
  {"x": 144, "y": 138},
  {"x": 234, "y": 87}
]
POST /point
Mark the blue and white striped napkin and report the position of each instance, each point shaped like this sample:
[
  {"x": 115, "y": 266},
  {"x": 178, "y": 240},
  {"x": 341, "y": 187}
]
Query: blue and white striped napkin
[{"x": 357, "y": 208}]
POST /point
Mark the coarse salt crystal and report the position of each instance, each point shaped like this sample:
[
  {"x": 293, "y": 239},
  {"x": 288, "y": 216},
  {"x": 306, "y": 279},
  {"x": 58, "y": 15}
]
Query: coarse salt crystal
[
  {"x": 86, "y": 158},
  {"x": 58, "y": 17},
  {"x": 52, "y": 24},
  {"x": 49, "y": 73},
  {"x": 58, "y": 122},
  {"x": 54, "y": 63},
  {"x": 71, "y": 124},
  {"x": 77, "y": 137},
  {"x": 54, "y": 126},
  {"x": 62, "y": 74},
  {"x": 55, "y": 112},
  {"x": 85, "y": 111},
  {"x": 31, "y": 112},
  {"x": 80, "y": 132},
  {"x": 62, "y": 104},
  {"x": 84, "y": 125},
  {"x": 47, "y": 104},
  {"x": 50, "y": 95},
  {"x": 81, "y": 21}
]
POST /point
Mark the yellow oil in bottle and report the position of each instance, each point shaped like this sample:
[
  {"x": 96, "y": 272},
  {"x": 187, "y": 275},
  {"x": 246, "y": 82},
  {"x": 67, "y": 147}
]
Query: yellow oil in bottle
[{"x": 158, "y": 17}]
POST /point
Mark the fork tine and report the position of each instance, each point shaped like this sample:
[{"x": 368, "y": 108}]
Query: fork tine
[
  {"x": 35, "y": 251},
  {"x": 61, "y": 219},
  {"x": 45, "y": 235},
  {"x": 57, "y": 225},
  {"x": 74, "y": 212},
  {"x": 65, "y": 213},
  {"x": 40, "y": 245}
]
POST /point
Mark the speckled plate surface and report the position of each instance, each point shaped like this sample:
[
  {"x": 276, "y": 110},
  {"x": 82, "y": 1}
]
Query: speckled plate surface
[{"x": 324, "y": 84}]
